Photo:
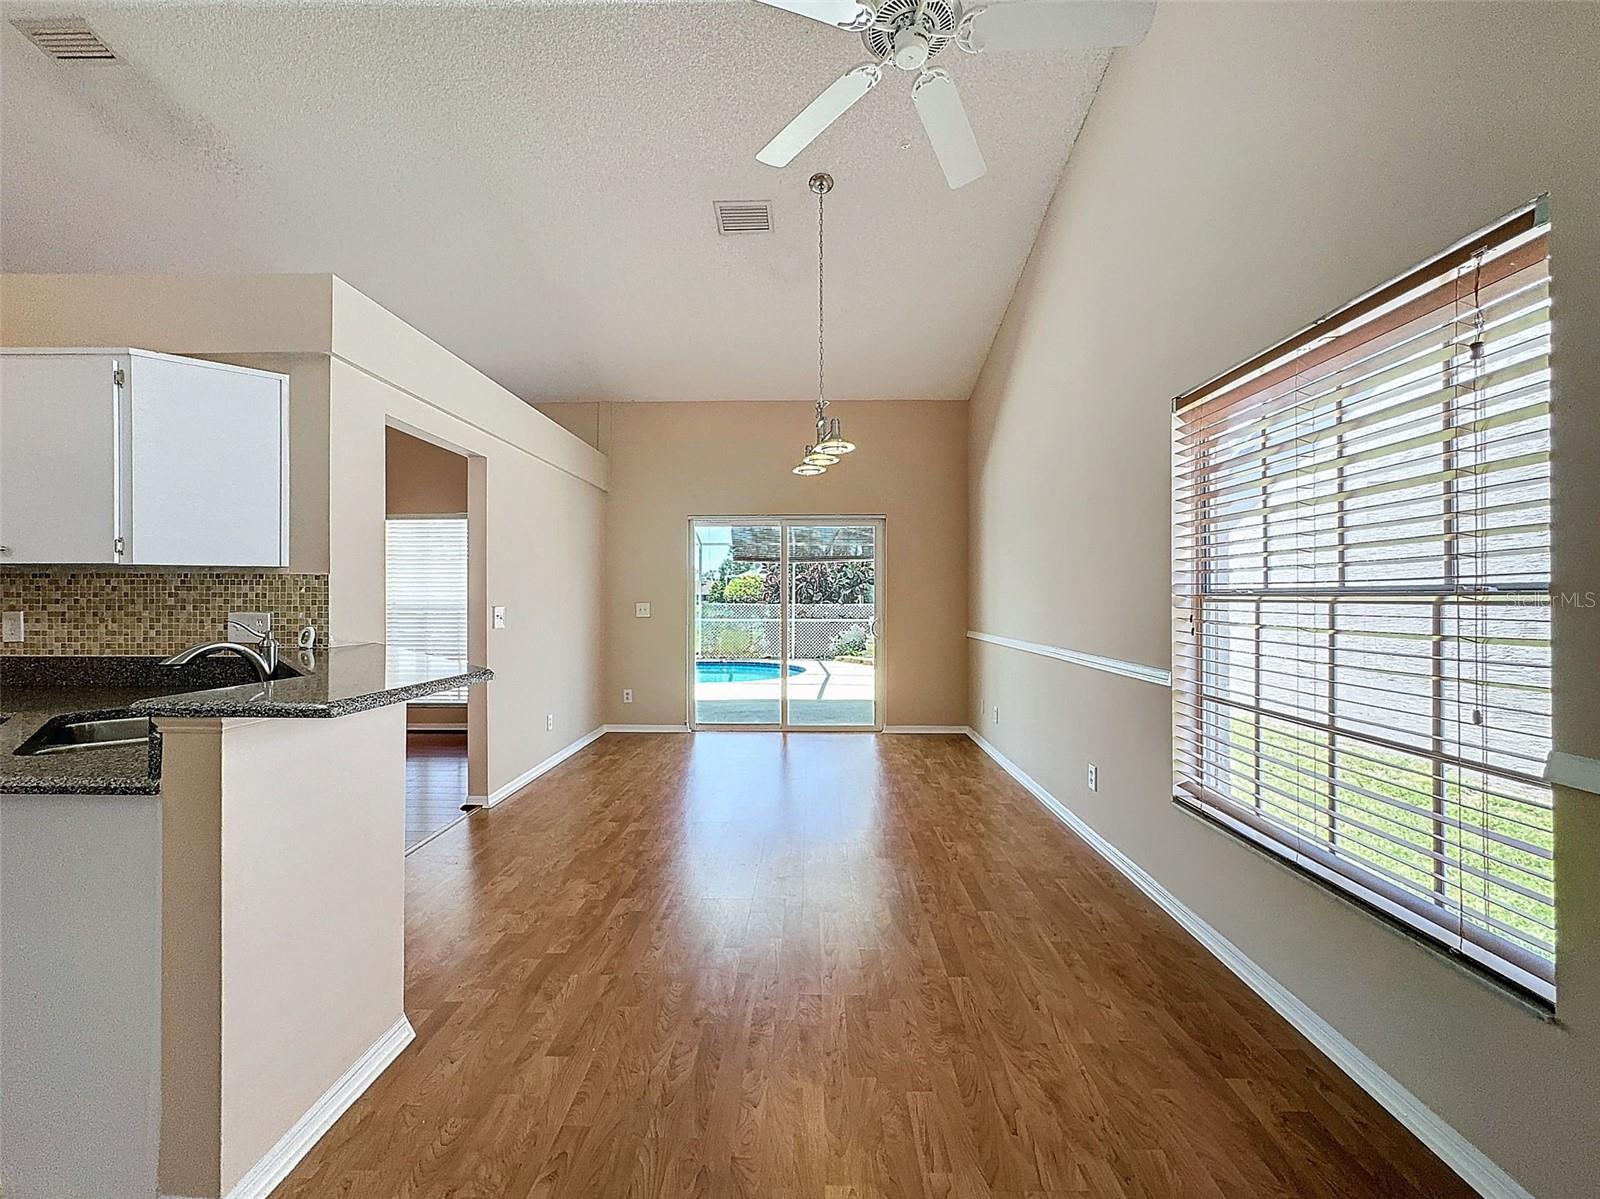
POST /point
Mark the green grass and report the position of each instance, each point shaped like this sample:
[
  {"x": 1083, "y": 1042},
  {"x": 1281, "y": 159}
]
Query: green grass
[{"x": 1456, "y": 860}]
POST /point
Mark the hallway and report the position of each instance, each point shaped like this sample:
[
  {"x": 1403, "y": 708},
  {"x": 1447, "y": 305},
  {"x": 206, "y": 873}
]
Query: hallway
[
  {"x": 436, "y": 784},
  {"x": 826, "y": 965}
]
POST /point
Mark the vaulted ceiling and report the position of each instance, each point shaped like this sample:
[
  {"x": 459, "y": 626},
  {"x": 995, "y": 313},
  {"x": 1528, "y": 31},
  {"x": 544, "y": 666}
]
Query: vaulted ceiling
[{"x": 532, "y": 184}]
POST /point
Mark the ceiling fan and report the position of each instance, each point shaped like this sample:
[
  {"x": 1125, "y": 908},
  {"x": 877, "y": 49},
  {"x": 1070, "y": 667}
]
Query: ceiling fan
[{"x": 908, "y": 34}]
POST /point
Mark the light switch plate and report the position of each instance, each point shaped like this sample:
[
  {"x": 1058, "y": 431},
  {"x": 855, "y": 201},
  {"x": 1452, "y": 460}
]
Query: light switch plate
[
  {"x": 15, "y": 626},
  {"x": 641, "y": 609},
  {"x": 261, "y": 622},
  {"x": 497, "y": 616}
]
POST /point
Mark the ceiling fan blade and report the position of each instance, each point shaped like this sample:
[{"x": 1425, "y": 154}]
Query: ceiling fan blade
[
  {"x": 1056, "y": 25},
  {"x": 843, "y": 14},
  {"x": 945, "y": 119},
  {"x": 819, "y": 114}
]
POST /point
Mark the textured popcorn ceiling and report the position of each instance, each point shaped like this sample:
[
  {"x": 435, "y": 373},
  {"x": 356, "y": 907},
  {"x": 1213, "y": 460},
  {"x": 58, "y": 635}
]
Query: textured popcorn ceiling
[{"x": 532, "y": 185}]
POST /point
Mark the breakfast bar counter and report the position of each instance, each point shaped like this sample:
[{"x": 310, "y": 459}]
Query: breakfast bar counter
[
  {"x": 202, "y": 941},
  {"x": 40, "y": 693}
]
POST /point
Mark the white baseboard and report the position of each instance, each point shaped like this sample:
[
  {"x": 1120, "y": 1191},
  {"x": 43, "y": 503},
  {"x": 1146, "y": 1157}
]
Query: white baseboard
[
  {"x": 438, "y": 832},
  {"x": 272, "y": 1169},
  {"x": 925, "y": 728},
  {"x": 647, "y": 728},
  {"x": 544, "y": 767},
  {"x": 1460, "y": 1154}
]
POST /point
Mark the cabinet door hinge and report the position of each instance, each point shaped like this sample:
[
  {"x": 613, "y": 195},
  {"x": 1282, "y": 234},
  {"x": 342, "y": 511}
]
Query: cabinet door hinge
[{"x": 119, "y": 377}]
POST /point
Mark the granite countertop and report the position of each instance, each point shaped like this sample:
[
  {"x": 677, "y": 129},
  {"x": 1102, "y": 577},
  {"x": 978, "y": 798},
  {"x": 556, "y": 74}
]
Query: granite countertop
[{"x": 338, "y": 681}]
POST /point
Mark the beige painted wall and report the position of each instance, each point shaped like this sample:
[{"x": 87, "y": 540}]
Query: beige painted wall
[
  {"x": 313, "y": 926},
  {"x": 586, "y": 419},
  {"x": 1246, "y": 169},
  {"x": 670, "y": 462},
  {"x": 542, "y": 527},
  {"x": 544, "y": 532},
  {"x": 190, "y": 1033},
  {"x": 422, "y": 479},
  {"x": 282, "y": 954}
]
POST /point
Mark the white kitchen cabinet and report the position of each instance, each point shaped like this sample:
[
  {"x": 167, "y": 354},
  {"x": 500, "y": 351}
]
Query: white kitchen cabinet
[{"x": 136, "y": 458}]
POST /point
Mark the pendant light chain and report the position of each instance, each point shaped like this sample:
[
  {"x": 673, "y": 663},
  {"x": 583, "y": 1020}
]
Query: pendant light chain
[
  {"x": 829, "y": 444},
  {"x": 822, "y": 402}
]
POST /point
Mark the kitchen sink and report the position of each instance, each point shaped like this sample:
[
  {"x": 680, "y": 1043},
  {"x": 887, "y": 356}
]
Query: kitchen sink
[{"x": 65, "y": 736}]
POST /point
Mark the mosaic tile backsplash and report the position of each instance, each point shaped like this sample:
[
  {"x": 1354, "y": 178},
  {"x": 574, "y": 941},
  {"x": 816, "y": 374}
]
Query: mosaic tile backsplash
[{"x": 152, "y": 612}]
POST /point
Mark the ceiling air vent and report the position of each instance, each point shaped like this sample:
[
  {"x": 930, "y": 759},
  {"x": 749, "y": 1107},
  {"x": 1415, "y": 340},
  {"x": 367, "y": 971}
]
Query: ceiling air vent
[
  {"x": 65, "y": 39},
  {"x": 743, "y": 216}
]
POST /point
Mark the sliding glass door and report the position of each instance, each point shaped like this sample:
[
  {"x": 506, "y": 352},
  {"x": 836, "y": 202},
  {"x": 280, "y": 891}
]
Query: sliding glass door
[
  {"x": 785, "y": 622},
  {"x": 831, "y": 572},
  {"x": 738, "y": 624}
]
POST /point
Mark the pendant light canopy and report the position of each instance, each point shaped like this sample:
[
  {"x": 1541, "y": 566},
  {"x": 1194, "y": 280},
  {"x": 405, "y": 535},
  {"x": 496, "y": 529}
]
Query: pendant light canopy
[{"x": 830, "y": 442}]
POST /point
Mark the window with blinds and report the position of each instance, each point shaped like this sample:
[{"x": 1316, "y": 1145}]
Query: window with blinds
[
  {"x": 425, "y": 598},
  {"x": 1361, "y": 588}
]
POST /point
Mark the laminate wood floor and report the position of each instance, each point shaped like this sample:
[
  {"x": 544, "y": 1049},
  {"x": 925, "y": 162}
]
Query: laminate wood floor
[
  {"x": 436, "y": 783},
  {"x": 834, "y": 966}
]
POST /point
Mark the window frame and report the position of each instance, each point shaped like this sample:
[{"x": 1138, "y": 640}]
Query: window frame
[
  {"x": 456, "y": 697},
  {"x": 1317, "y": 853}
]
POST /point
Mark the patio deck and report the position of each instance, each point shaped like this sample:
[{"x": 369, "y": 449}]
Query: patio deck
[{"x": 824, "y": 694}]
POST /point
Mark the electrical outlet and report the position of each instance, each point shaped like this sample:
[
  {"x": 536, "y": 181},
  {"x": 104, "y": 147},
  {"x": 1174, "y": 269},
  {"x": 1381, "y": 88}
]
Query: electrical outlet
[
  {"x": 997, "y": 713},
  {"x": 1094, "y": 777},
  {"x": 550, "y": 722},
  {"x": 497, "y": 617},
  {"x": 259, "y": 623},
  {"x": 627, "y": 695},
  {"x": 641, "y": 610},
  {"x": 15, "y": 626}
]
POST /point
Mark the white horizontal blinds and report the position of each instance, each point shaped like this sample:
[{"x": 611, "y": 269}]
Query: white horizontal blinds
[
  {"x": 1361, "y": 573},
  {"x": 425, "y": 598}
]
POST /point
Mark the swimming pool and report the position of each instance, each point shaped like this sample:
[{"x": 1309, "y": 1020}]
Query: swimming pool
[{"x": 738, "y": 672}]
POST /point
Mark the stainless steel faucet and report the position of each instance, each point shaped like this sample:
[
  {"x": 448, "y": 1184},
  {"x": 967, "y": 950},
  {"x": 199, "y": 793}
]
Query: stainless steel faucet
[{"x": 264, "y": 658}]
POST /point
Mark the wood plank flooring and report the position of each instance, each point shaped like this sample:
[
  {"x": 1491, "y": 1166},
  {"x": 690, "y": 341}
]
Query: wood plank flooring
[
  {"x": 436, "y": 783},
  {"x": 834, "y": 966}
]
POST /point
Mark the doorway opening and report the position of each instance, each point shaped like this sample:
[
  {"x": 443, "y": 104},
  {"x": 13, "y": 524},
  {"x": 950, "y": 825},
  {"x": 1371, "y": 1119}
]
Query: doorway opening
[
  {"x": 786, "y": 622},
  {"x": 427, "y": 609}
]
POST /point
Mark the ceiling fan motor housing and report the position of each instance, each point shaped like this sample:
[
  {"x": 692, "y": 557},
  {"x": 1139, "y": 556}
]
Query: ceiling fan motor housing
[
  {"x": 898, "y": 37},
  {"x": 910, "y": 49}
]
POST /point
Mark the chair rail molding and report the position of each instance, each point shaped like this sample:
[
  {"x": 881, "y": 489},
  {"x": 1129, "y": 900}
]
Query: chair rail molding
[
  {"x": 1573, "y": 770},
  {"x": 1132, "y": 670}
]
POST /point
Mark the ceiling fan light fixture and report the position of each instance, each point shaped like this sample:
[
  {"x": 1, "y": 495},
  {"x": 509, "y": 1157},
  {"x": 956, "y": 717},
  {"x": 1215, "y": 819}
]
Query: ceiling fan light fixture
[{"x": 909, "y": 34}]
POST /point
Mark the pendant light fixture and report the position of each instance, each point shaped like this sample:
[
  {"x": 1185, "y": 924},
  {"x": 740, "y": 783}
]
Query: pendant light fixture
[{"x": 829, "y": 444}]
